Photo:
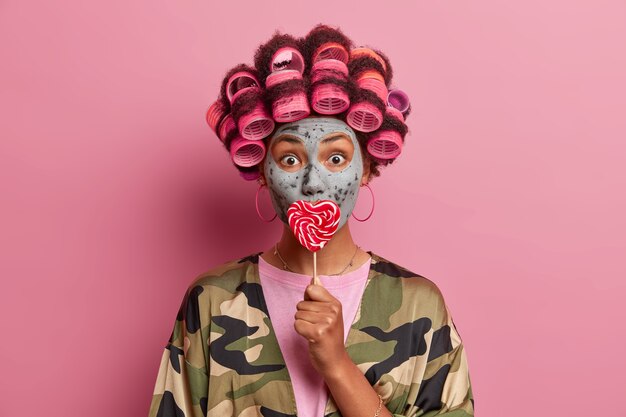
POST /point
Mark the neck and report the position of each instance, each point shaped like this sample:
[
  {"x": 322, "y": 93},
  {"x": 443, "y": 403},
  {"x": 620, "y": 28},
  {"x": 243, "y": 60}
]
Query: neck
[{"x": 331, "y": 259}]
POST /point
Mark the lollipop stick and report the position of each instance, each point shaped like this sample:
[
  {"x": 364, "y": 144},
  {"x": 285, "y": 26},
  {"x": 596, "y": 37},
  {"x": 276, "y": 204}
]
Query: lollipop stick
[{"x": 316, "y": 280}]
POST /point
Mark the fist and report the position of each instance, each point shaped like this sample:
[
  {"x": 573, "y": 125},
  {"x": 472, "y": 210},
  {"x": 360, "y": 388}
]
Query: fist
[{"x": 319, "y": 319}]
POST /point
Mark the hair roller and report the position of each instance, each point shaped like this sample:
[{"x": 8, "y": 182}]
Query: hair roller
[
  {"x": 366, "y": 112},
  {"x": 215, "y": 114},
  {"x": 236, "y": 79},
  {"x": 363, "y": 52},
  {"x": 331, "y": 50},
  {"x": 387, "y": 142},
  {"x": 239, "y": 83},
  {"x": 365, "y": 63},
  {"x": 388, "y": 68},
  {"x": 246, "y": 153},
  {"x": 287, "y": 58},
  {"x": 226, "y": 127},
  {"x": 393, "y": 112},
  {"x": 251, "y": 116},
  {"x": 281, "y": 52},
  {"x": 330, "y": 96},
  {"x": 362, "y": 58},
  {"x": 364, "y": 117},
  {"x": 329, "y": 68},
  {"x": 368, "y": 68},
  {"x": 228, "y": 76},
  {"x": 324, "y": 42},
  {"x": 398, "y": 99},
  {"x": 286, "y": 92},
  {"x": 329, "y": 87},
  {"x": 373, "y": 81}
]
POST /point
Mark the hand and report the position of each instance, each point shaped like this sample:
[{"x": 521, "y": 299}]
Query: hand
[{"x": 319, "y": 319}]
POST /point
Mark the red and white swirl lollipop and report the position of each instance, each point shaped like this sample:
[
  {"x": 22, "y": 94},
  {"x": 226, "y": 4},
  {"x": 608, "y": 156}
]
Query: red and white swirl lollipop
[{"x": 314, "y": 224}]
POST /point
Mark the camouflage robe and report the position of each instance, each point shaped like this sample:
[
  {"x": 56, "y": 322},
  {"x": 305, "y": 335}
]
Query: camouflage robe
[{"x": 223, "y": 357}]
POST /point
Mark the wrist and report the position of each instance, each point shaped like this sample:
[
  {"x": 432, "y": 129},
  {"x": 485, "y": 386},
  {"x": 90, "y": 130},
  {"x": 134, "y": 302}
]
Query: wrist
[{"x": 339, "y": 369}]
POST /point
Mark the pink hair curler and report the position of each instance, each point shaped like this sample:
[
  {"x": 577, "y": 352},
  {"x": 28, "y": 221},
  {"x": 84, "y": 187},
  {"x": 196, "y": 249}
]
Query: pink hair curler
[
  {"x": 331, "y": 50},
  {"x": 329, "y": 99},
  {"x": 393, "y": 112},
  {"x": 238, "y": 83},
  {"x": 291, "y": 107},
  {"x": 250, "y": 175},
  {"x": 287, "y": 58},
  {"x": 398, "y": 99},
  {"x": 247, "y": 153},
  {"x": 364, "y": 117},
  {"x": 385, "y": 145},
  {"x": 215, "y": 114},
  {"x": 375, "y": 85},
  {"x": 226, "y": 126},
  {"x": 279, "y": 77},
  {"x": 372, "y": 73},
  {"x": 329, "y": 68},
  {"x": 362, "y": 52},
  {"x": 257, "y": 123}
]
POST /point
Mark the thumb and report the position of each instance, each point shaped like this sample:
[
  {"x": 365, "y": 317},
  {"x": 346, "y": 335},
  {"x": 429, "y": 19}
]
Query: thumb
[{"x": 307, "y": 297}]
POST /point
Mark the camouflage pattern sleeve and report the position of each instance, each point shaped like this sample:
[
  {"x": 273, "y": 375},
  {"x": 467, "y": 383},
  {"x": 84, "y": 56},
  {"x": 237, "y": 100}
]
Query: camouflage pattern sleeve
[
  {"x": 182, "y": 382},
  {"x": 405, "y": 342},
  {"x": 446, "y": 387}
]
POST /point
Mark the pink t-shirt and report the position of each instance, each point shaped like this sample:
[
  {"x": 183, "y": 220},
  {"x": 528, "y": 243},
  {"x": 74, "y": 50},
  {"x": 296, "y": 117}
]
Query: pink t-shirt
[{"x": 282, "y": 291}]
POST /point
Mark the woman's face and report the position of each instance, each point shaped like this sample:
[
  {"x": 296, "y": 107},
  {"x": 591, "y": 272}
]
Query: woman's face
[{"x": 317, "y": 158}]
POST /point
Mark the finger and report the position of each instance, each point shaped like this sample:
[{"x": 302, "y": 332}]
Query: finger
[
  {"x": 319, "y": 293},
  {"x": 317, "y": 306},
  {"x": 307, "y": 330},
  {"x": 313, "y": 317}
]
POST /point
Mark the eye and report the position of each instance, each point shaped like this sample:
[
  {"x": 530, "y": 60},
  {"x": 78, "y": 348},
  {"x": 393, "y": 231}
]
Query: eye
[
  {"x": 337, "y": 159},
  {"x": 289, "y": 160}
]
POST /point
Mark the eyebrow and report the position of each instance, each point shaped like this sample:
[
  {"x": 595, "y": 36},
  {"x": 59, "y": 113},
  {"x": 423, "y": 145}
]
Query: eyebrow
[
  {"x": 335, "y": 137},
  {"x": 289, "y": 139}
]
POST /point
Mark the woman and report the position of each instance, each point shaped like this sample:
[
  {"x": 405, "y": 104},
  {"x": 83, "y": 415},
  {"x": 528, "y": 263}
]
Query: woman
[{"x": 371, "y": 338}]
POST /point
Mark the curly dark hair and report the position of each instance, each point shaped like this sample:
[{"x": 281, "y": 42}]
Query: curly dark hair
[{"x": 361, "y": 62}]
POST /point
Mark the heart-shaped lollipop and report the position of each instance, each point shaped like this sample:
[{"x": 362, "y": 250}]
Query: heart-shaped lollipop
[{"x": 314, "y": 224}]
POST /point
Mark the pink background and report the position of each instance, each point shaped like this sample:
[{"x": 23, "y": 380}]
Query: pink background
[{"x": 509, "y": 193}]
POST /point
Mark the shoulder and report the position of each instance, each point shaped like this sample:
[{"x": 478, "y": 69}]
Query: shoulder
[
  {"x": 409, "y": 280},
  {"x": 228, "y": 274},
  {"x": 415, "y": 294},
  {"x": 206, "y": 294},
  {"x": 222, "y": 282}
]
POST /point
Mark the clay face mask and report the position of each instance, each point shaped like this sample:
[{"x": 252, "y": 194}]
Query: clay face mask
[{"x": 317, "y": 158}]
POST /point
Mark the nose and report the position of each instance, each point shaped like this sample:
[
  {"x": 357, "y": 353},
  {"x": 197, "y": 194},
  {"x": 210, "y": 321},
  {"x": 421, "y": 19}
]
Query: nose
[{"x": 312, "y": 183}]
